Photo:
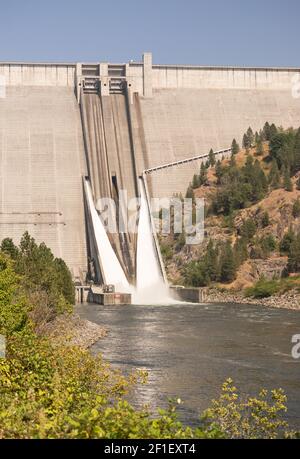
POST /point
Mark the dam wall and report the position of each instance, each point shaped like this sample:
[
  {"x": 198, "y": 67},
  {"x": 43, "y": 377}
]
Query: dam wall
[
  {"x": 183, "y": 123},
  {"x": 41, "y": 164},
  {"x": 60, "y": 122}
]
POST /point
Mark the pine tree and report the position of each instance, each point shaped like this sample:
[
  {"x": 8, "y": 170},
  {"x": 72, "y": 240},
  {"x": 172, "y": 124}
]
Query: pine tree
[
  {"x": 232, "y": 162},
  {"x": 286, "y": 242},
  {"x": 257, "y": 138},
  {"x": 265, "y": 220},
  {"x": 246, "y": 142},
  {"x": 294, "y": 256},
  {"x": 190, "y": 193},
  {"x": 274, "y": 176},
  {"x": 296, "y": 209},
  {"x": 203, "y": 175},
  {"x": 211, "y": 261},
  {"x": 273, "y": 131},
  {"x": 196, "y": 181},
  {"x": 212, "y": 159},
  {"x": 219, "y": 171},
  {"x": 287, "y": 183},
  {"x": 227, "y": 264},
  {"x": 259, "y": 148},
  {"x": 297, "y": 152},
  {"x": 250, "y": 136},
  {"x": 266, "y": 131},
  {"x": 235, "y": 147}
]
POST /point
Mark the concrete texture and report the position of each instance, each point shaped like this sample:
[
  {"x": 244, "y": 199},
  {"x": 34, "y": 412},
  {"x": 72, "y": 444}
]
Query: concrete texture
[
  {"x": 182, "y": 123},
  {"x": 166, "y": 114},
  {"x": 41, "y": 164},
  {"x": 111, "y": 160}
]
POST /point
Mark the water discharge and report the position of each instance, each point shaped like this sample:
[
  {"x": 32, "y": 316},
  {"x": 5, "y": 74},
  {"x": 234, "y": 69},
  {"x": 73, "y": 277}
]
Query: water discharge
[
  {"x": 150, "y": 285},
  {"x": 112, "y": 270}
]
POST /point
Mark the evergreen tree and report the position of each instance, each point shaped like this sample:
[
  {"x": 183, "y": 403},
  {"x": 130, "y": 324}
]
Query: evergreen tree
[
  {"x": 296, "y": 167},
  {"x": 273, "y": 131},
  {"x": 246, "y": 142},
  {"x": 265, "y": 220},
  {"x": 196, "y": 181},
  {"x": 248, "y": 229},
  {"x": 259, "y": 148},
  {"x": 296, "y": 209},
  {"x": 294, "y": 256},
  {"x": 286, "y": 242},
  {"x": 219, "y": 171},
  {"x": 211, "y": 261},
  {"x": 235, "y": 147},
  {"x": 240, "y": 251},
  {"x": 250, "y": 136},
  {"x": 8, "y": 247},
  {"x": 266, "y": 131},
  {"x": 287, "y": 183},
  {"x": 232, "y": 163},
  {"x": 190, "y": 193},
  {"x": 227, "y": 264},
  {"x": 203, "y": 175},
  {"x": 274, "y": 176},
  {"x": 212, "y": 159}
]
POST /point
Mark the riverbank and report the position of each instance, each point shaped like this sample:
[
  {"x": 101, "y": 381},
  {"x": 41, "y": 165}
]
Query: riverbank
[
  {"x": 287, "y": 300},
  {"x": 72, "y": 330}
]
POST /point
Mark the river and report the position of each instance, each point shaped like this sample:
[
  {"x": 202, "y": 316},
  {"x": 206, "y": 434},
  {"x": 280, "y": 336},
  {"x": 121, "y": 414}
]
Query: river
[{"x": 189, "y": 350}]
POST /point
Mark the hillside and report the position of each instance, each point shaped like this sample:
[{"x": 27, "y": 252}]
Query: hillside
[{"x": 252, "y": 223}]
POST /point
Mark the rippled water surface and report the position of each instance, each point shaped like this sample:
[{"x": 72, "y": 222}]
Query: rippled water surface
[{"x": 189, "y": 350}]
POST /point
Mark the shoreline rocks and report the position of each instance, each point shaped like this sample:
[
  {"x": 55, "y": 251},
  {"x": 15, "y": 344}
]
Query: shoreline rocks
[
  {"x": 288, "y": 300},
  {"x": 71, "y": 330}
]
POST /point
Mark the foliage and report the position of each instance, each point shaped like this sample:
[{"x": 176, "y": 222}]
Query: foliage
[
  {"x": 203, "y": 175},
  {"x": 285, "y": 244},
  {"x": 296, "y": 209},
  {"x": 63, "y": 391},
  {"x": 218, "y": 264},
  {"x": 235, "y": 147},
  {"x": 39, "y": 270},
  {"x": 239, "y": 187},
  {"x": 254, "y": 418},
  {"x": 265, "y": 220},
  {"x": 294, "y": 255},
  {"x": 211, "y": 158},
  {"x": 262, "y": 289}
]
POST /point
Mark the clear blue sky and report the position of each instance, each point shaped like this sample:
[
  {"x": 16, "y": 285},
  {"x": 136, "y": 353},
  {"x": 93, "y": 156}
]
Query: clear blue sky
[{"x": 205, "y": 32}]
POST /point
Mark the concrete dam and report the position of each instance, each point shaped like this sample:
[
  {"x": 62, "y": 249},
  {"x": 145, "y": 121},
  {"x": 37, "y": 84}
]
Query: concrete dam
[{"x": 68, "y": 128}]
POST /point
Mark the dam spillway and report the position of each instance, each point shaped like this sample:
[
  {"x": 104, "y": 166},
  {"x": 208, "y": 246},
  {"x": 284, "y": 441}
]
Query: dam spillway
[{"x": 110, "y": 122}]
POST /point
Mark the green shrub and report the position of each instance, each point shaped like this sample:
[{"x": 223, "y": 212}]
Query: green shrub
[{"x": 262, "y": 289}]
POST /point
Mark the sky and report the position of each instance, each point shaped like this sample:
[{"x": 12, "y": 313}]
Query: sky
[{"x": 198, "y": 32}]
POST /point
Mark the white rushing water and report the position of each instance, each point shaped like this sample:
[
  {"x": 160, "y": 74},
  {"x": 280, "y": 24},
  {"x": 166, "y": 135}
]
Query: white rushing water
[
  {"x": 112, "y": 269},
  {"x": 150, "y": 285}
]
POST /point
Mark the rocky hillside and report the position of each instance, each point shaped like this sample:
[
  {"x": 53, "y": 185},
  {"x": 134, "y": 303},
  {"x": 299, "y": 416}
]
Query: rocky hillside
[{"x": 252, "y": 206}]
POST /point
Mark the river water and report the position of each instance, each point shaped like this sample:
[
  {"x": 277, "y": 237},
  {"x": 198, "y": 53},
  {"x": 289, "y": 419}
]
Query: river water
[{"x": 189, "y": 350}]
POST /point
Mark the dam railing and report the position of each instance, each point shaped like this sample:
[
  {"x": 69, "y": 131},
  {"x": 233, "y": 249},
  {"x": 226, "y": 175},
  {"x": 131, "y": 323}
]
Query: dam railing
[{"x": 218, "y": 153}]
